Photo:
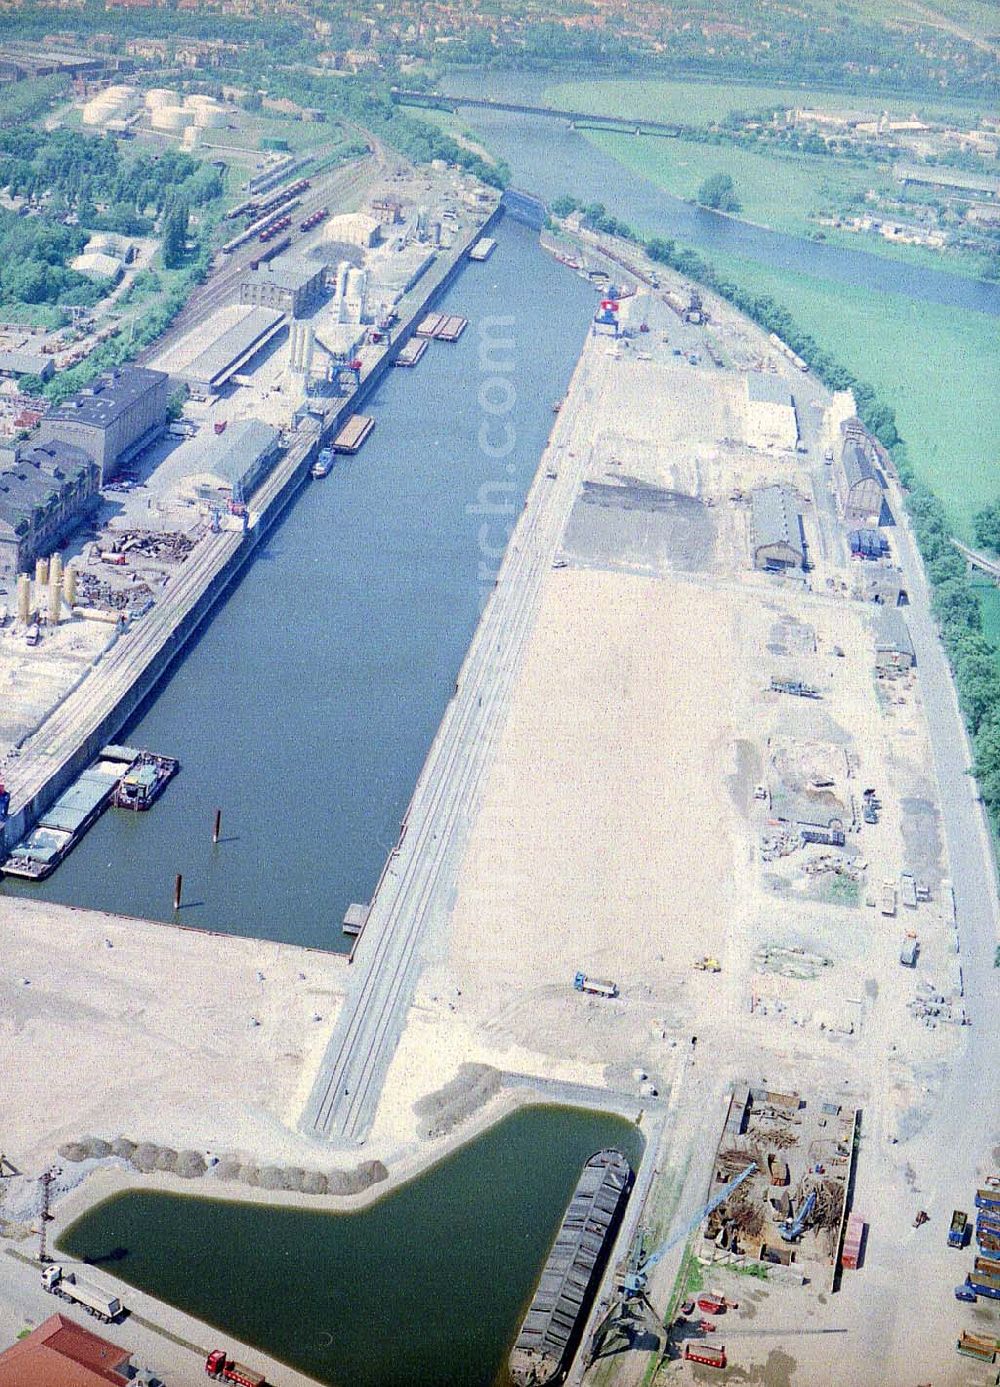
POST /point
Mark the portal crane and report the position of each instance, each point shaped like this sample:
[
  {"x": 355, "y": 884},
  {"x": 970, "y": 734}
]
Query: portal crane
[{"x": 632, "y": 1305}]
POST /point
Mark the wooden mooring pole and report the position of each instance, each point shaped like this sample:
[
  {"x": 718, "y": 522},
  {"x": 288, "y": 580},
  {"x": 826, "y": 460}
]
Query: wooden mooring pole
[
  {"x": 217, "y": 829},
  {"x": 178, "y": 882}
]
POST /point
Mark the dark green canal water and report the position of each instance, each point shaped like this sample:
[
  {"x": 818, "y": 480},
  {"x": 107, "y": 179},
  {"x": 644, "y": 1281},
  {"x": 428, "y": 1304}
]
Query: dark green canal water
[{"x": 426, "y": 1288}]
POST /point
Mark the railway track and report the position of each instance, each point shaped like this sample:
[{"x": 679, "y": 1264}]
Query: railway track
[
  {"x": 416, "y": 891},
  {"x": 109, "y": 683},
  {"x": 222, "y": 285}
]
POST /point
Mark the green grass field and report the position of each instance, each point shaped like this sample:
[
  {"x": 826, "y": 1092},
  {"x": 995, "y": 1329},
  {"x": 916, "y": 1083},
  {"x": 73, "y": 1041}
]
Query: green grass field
[
  {"x": 774, "y": 189},
  {"x": 938, "y": 367},
  {"x": 700, "y": 103}
]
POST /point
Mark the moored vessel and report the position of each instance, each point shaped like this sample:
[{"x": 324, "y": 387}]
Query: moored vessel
[{"x": 551, "y": 1330}]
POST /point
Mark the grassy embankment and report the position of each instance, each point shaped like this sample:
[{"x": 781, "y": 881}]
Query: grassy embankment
[{"x": 777, "y": 187}]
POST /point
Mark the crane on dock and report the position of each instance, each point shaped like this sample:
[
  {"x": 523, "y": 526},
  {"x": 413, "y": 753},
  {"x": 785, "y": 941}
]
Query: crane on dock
[{"x": 631, "y": 1307}]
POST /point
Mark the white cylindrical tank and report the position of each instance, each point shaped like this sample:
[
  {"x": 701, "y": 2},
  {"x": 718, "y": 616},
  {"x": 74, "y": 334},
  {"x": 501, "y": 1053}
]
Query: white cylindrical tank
[
  {"x": 171, "y": 118},
  {"x": 23, "y": 598},
  {"x": 98, "y": 112},
  {"x": 69, "y": 586},
  {"x": 41, "y": 572},
  {"x": 209, "y": 117},
  {"x": 55, "y": 588}
]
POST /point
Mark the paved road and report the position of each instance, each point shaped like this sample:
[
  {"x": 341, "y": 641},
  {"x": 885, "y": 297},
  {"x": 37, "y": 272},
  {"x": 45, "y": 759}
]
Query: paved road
[
  {"x": 171, "y": 1344},
  {"x": 416, "y": 890}
]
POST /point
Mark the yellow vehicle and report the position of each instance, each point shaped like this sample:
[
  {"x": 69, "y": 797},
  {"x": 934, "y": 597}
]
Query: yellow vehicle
[{"x": 708, "y": 965}]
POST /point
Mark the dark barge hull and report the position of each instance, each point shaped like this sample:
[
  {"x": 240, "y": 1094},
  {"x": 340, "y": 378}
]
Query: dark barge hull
[{"x": 555, "y": 1320}]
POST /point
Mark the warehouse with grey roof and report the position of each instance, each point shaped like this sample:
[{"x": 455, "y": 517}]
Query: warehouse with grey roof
[
  {"x": 769, "y": 412},
  {"x": 777, "y": 540},
  {"x": 212, "y": 353}
]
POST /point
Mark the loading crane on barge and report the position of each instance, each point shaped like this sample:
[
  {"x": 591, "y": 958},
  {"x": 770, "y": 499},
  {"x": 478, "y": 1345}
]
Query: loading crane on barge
[{"x": 631, "y": 1307}]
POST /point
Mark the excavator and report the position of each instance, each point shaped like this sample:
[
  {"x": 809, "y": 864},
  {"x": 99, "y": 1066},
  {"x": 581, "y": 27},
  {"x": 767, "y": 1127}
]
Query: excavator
[{"x": 793, "y": 1228}]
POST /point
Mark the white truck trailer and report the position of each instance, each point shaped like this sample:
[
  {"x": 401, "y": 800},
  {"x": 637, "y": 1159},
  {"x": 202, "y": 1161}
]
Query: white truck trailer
[{"x": 68, "y": 1286}]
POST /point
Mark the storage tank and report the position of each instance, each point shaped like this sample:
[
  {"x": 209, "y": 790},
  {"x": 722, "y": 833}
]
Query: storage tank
[
  {"x": 171, "y": 118},
  {"x": 98, "y": 111},
  {"x": 23, "y": 599},
  {"x": 42, "y": 572},
  {"x": 210, "y": 117},
  {"x": 69, "y": 586},
  {"x": 55, "y": 588}
]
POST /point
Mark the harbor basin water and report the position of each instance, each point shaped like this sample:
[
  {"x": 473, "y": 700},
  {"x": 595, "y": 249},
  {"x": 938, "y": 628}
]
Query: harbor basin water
[{"x": 427, "y": 1286}]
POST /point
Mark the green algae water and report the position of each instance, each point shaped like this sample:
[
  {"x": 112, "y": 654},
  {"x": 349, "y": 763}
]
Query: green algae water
[{"x": 426, "y": 1288}]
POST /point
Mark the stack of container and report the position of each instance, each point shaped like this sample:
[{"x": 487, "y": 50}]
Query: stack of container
[{"x": 853, "y": 1238}]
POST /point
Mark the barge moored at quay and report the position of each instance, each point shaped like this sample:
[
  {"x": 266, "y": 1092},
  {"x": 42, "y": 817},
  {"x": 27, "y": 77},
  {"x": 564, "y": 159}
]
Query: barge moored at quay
[
  {"x": 122, "y": 775},
  {"x": 353, "y": 434},
  {"x": 552, "y": 1327}
]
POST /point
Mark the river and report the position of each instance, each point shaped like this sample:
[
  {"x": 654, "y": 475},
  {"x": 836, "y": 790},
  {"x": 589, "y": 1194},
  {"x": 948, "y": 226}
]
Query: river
[
  {"x": 549, "y": 159},
  {"x": 306, "y": 708},
  {"x": 425, "y": 1287}
]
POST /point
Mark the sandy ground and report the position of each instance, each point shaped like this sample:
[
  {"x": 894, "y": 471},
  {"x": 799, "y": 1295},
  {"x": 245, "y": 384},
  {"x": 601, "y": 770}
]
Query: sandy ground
[
  {"x": 112, "y": 1026},
  {"x": 32, "y": 681}
]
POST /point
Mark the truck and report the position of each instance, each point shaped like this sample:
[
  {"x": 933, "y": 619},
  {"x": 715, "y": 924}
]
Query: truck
[
  {"x": 700, "y": 1351},
  {"x": 599, "y": 987},
  {"x": 984, "y": 1278},
  {"x": 219, "y": 1365},
  {"x": 909, "y": 951},
  {"x": 958, "y": 1230},
  {"x": 68, "y": 1286},
  {"x": 887, "y": 898}
]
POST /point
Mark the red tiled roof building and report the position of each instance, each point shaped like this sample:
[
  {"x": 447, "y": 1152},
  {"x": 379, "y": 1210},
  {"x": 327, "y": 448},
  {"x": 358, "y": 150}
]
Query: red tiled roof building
[{"x": 60, "y": 1353}]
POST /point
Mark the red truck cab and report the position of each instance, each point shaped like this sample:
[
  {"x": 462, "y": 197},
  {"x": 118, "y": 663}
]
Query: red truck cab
[{"x": 220, "y": 1366}]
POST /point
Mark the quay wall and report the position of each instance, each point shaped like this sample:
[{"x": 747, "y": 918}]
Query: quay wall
[{"x": 269, "y": 504}]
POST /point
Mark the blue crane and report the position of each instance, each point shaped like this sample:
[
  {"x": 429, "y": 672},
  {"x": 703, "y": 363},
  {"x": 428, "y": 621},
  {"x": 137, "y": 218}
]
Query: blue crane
[
  {"x": 631, "y": 1303},
  {"x": 792, "y": 1227},
  {"x": 635, "y": 1281}
]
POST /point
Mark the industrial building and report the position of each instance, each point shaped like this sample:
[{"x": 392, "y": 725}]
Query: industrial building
[
  {"x": 231, "y": 465},
  {"x": 113, "y": 419},
  {"x": 777, "y": 541},
  {"x": 769, "y": 412},
  {"x": 893, "y": 646},
  {"x": 61, "y": 1353},
  {"x": 20, "y": 362},
  {"x": 44, "y": 492},
  {"x": 288, "y": 283},
  {"x": 206, "y": 358},
  {"x": 858, "y": 483}
]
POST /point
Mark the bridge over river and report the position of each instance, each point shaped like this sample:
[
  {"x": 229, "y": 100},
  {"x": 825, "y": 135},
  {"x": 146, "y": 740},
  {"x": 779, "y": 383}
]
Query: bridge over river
[{"x": 578, "y": 120}]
